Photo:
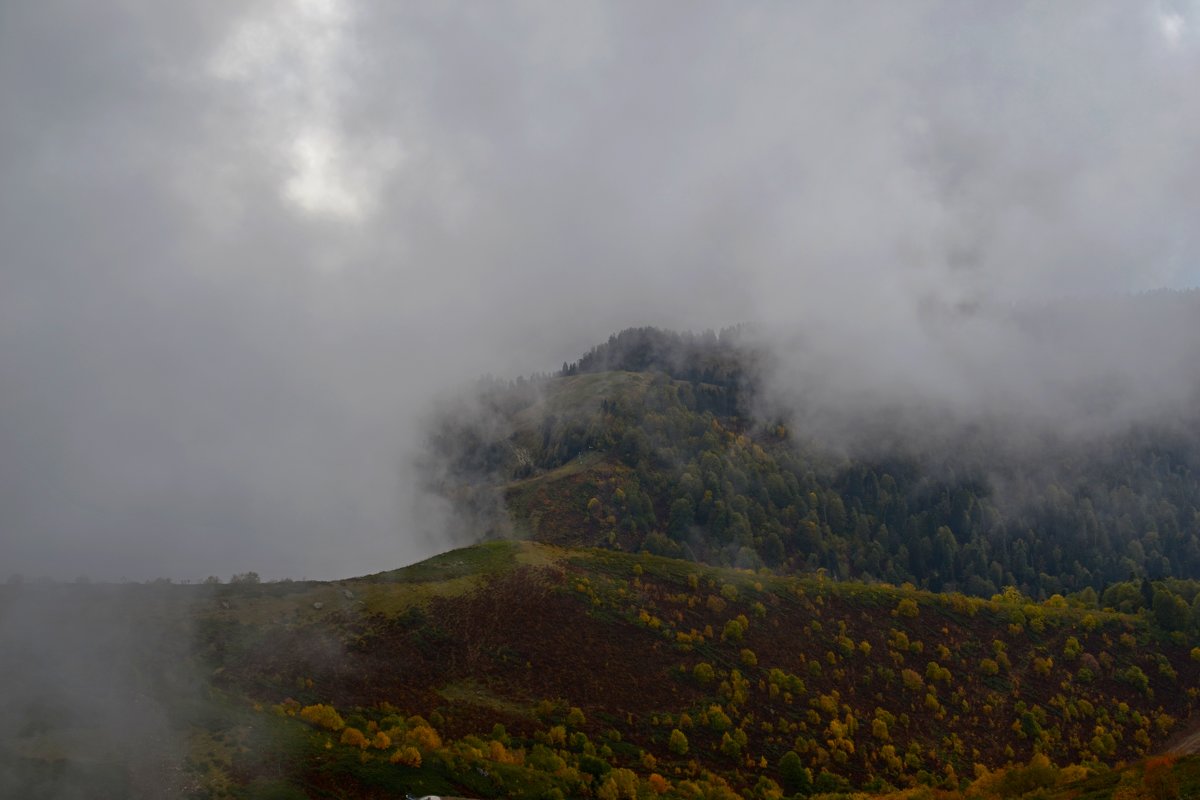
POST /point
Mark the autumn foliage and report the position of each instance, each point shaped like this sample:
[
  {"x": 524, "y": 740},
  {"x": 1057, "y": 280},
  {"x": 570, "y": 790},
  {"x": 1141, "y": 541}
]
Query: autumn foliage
[{"x": 322, "y": 716}]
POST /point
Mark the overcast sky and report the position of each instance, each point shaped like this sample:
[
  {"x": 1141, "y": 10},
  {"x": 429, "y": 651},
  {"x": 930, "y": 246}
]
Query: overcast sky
[{"x": 244, "y": 244}]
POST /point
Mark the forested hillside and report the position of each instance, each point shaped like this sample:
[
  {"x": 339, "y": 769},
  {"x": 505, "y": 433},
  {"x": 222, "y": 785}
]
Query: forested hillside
[{"x": 654, "y": 441}]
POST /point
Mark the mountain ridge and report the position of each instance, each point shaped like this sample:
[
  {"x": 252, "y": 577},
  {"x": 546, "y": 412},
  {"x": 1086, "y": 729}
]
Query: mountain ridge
[{"x": 684, "y": 466}]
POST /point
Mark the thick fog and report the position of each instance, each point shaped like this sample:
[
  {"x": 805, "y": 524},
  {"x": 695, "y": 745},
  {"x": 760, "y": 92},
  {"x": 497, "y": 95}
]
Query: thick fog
[{"x": 245, "y": 245}]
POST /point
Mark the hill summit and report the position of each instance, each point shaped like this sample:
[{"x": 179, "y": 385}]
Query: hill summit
[{"x": 670, "y": 443}]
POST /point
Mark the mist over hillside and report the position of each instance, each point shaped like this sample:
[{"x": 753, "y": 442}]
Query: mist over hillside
[
  {"x": 698, "y": 446},
  {"x": 246, "y": 248},
  {"x": 255, "y": 255},
  {"x": 1074, "y": 368}
]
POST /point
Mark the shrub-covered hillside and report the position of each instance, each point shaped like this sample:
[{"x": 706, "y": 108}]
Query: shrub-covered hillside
[
  {"x": 516, "y": 669},
  {"x": 513, "y": 670}
]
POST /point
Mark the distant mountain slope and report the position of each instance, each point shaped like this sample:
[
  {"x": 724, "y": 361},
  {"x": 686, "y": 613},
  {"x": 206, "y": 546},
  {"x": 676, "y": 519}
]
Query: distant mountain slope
[{"x": 655, "y": 441}]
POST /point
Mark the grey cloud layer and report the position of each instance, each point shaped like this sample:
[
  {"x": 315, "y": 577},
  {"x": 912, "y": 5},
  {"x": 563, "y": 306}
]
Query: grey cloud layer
[{"x": 243, "y": 246}]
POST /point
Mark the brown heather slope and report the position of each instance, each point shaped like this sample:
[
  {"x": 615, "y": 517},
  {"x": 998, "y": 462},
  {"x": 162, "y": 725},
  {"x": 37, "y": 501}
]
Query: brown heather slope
[{"x": 864, "y": 681}]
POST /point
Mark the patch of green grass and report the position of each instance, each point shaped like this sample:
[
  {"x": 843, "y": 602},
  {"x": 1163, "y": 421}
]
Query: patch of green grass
[
  {"x": 450, "y": 574},
  {"x": 586, "y": 391},
  {"x": 1187, "y": 770},
  {"x": 394, "y": 780},
  {"x": 473, "y": 693},
  {"x": 575, "y": 466},
  {"x": 480, "y": 559}
]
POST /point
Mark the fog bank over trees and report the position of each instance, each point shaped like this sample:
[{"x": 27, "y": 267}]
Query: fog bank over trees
[{"x": 246, "y": 247}]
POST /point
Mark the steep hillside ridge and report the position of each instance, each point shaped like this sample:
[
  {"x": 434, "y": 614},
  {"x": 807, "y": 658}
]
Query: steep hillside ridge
[{"x": 675, "y": 458}]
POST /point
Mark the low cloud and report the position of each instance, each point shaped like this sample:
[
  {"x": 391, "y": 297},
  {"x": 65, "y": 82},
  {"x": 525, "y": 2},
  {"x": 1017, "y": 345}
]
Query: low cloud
[{"x": 245, "y": 248}]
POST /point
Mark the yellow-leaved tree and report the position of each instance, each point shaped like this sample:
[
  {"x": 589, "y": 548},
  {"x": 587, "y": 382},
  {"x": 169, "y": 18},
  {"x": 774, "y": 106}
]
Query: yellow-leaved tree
[{"x": 322, "y": 716}]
